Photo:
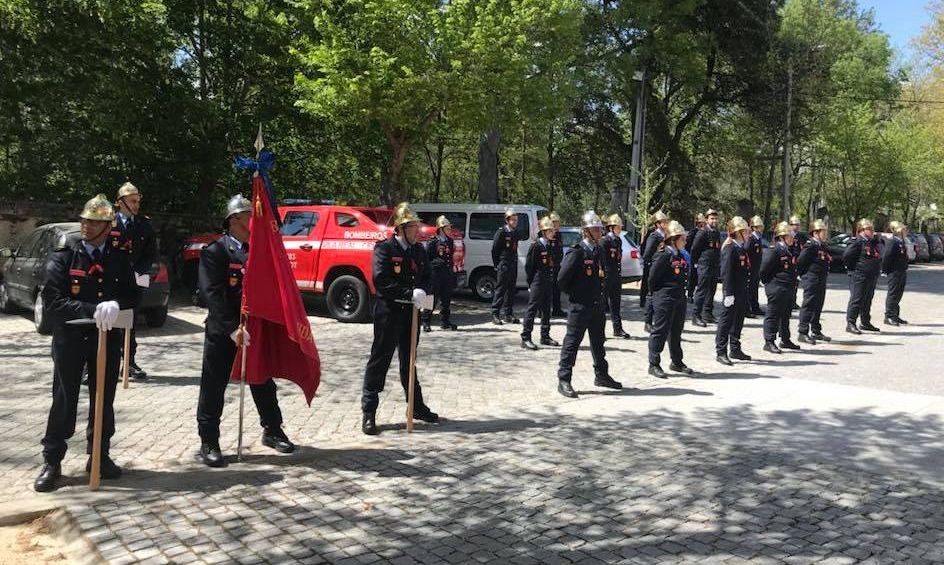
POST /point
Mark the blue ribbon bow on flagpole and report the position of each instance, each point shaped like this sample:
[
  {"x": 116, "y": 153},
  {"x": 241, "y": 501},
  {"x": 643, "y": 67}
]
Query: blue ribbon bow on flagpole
[{"x": 262, "y": 165}]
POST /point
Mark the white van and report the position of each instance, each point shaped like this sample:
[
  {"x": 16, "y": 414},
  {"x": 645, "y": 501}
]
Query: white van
[{"x": 478, "y": 223}]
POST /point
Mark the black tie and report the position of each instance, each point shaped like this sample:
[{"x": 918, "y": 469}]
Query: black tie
[{"x": 97, "y": 255}]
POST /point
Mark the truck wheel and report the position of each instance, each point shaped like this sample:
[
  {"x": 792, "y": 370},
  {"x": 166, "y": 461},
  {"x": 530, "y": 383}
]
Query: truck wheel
[
  {"x": 156, "y": 317},
  {"x": 348, "y": 299},
  {"x": 39, "y": 318},
  {"x": 483, "y": 285}
]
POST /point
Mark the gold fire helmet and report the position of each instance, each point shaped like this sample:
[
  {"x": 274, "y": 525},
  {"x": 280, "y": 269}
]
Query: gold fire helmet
[
  {"x": 896, "y": 227},
  {"x": 757, "y": 222},
  {"x": 659, "y": 216},
  {"x": 98, "y": 209},
  {"x": 794, "y": 220},
  {"x": 546, "y": 223},
  {"x": 782, "y": 229},
  {"x": 509, "y": 213},
  {"x": 614, "y": 220},
  {"x": 402, "y": 214},
  {"x": 737, "y": 224},
  {"x": 864, "y": 224},
  {"x": 442, "y": 222},
  {"x": 554, "y": 217},
  {"x": 237, "y": 204},
  {"x": 674, "y": 229},
  {"x": 127, "y": 189},
  {"x": 818, "y": 225}
]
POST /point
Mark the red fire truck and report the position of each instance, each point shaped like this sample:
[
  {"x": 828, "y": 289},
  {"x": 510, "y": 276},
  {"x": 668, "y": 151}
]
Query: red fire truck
[{"x": 330, "y": 248}]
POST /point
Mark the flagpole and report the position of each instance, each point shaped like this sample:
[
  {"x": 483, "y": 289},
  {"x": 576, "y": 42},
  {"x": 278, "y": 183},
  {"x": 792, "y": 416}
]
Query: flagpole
[{"x": 242, "y": 387}]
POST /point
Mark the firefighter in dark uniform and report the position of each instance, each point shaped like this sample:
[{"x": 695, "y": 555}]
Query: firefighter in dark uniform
[
  {"x": 439, "y": 251},
  {"x": 653, "y": 242},
  {"x": 557, "y": 253},
  {"x": 540, "y": 268},
  {"x": 505, "y": 260},
  {"x": 134, "y": 233},
  {"x": 612, "y": 246},
  {"x": 220, "y": 276},
  {"x": 735, "y": 274},
  {"x": 583, "y": 278},
  {"x": 668, "y": 277},
  {"x": 87, "y": 280},
  {"x": 779, "y": 273},
  {"x": 813, "y": 268},
  {"x": 799, "y": 240},
  {"x": 689, "y": 241},
  {"x": 895, "y": 265},
  {"x": 756, "y": 244},
  {"x": 706, "y": 252},
  {"x": 863, "y": 262},
  {"x": 401, "y": 275}
]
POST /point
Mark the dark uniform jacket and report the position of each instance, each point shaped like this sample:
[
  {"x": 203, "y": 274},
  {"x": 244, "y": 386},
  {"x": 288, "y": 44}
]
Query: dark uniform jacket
[
  {"x": 557, "y": 250},
  {"x": 779, "y": 266},
  {"x": 540, "y": 262},
  {"x": 439, "y": 252},
  {"x": 755, "y": 250},
  {"x": 74, "y": 285},
  {"x": 813, "y": 263},
  {"x": 582, "y": 275},
  {"x": 735, "y": 270},
  {"x": 504, "y": 245},
  {"x": 612, "y": 256},
  {"x": 652, "y": 244},
  {"x": 862, "y": 255},
  {"x": 668, "y": 271},
  {"x": 397, "y": 271},
  {"x": 222, "y": 265},
  {"x": 138, "y": 239},
  {"x": 895, "y": 258},
  {"x": 690, "y": 240},
  {"x": 706, "y": 249}
]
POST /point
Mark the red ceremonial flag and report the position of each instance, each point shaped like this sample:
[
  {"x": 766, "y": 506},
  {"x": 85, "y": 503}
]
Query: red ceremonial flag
[{"x": 280, "y": 340}]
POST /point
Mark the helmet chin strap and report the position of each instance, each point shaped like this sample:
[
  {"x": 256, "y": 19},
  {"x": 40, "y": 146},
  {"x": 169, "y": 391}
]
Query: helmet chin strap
[{"x": 104, "y": 229}]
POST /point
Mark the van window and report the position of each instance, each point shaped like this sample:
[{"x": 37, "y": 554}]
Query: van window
[
  {"x": 483, "y": 225},
  {"x": 345, "y": 220},
  {"x": 299, "y": 223},
  {"x": 569, "y": 238},
  {"x": 457, "y": 219}
]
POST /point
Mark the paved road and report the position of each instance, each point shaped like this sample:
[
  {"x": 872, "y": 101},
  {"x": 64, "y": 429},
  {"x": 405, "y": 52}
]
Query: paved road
[{"x": 834, "y": 452}]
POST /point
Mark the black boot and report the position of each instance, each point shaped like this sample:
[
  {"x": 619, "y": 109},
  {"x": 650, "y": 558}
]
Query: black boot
[
  {"x": 528, "y": 344},
  {"x": 497, "y": 321},
  {"x": 851, "y": 328},
  {"x": 369, "y": 425},
  {"x": 724, "y": 360},
  {"x": 277, "y": 440},
  {"x": 511, "y": 320},
  {"x": 46, "y": 481},
  {"x": 739, "y": 355},
  {"x": 647, "y": 328},
  {"x": 807, "y": 339},
  {"x": 211, "y": 454},
  {"x": 448, "y": 326},
  {"x": 820, "y": 337},
  {"x": 565, "y": 389},
  {"x": 681, "y": 368},
  {"x": 424, "y": 414},
  {"x": 426, "y": 327},
  {"x": 787, "y": 344},
  {"x": 607, "y": 381},
  {"x": 750, "y": 315},
  {"x": 900, "y": 321},
  {"x": 699, "y": 322},
  {"x": 657, "y": 372},
  {"x": 136, "y": 373},
  {"x": 549, "y": 341},
  {"x": 710, "y": 318},
  {"x": 867, "y": 326},
  {"x": 620, "y": 333},
  {"x": 772, "y": 347},
  {"x": 109, "y": 470},
  {"x": 891, "y": 322}
]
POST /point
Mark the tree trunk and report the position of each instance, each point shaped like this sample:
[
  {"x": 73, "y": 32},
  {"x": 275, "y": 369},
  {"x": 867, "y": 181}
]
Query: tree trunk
[
  {"x": 489, "y": 143},
  {"x": 768, "y": 200},
  {"x": 550, "y": 169},
  {"x": 399, "y": 145},
  {"x": 435, "y": 162}
]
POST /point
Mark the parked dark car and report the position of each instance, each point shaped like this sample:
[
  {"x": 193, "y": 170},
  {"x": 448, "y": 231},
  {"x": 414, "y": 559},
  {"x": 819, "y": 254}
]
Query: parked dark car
[
  {"x": 836, "y": 245},
  {"x": 936, "y": 244},
  {"x": 21, "y": 277},
  {"x": 924, "y": 250}
]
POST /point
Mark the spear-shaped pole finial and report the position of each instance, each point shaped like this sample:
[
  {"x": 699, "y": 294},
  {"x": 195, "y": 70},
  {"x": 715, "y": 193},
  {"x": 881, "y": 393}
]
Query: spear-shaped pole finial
[{"x": 259, "y": 144}]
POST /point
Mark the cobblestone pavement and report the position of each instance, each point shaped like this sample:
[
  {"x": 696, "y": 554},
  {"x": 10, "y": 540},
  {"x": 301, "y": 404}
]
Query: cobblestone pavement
[{"x": 833, "y": 453}]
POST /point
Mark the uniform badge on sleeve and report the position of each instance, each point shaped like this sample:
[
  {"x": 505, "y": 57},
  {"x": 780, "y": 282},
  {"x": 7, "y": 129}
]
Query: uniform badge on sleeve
[{"x": 397, "y": 267}]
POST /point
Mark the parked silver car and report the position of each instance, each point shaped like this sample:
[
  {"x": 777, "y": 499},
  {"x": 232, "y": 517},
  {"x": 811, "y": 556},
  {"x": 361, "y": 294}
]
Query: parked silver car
[
  {"x": 631, "y": 265},
  {"x": 936, "y": 245},
  {"x": 924, "y": 250}
]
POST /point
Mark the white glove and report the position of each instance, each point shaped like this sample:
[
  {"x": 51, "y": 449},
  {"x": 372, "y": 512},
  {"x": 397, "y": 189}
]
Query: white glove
[
  {"x": 419, "y": 297},
  {"x": 728, "y": 301},
  {"x": 106, "y": 313},
  {"x": 239, "y": 336},
  {"x": 143, "y": 281}
]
